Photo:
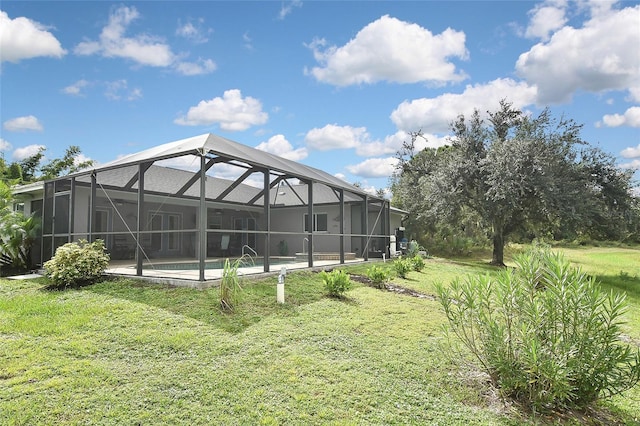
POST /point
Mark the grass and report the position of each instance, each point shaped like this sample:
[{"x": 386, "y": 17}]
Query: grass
[{"x": 124, "y": 351}]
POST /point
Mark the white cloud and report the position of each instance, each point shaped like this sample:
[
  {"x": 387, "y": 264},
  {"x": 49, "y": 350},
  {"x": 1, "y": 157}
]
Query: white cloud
[
  {"x": 602, "y": 55},
  {"x": 546, "y": 18},
  {"x": 434, "y": 115},
  {"x": 119, "y": 90},
  {"x": 374, "y": 167},
  {"x": 232, "y": 112},
  {"x": 143, "y": 49},
  {"x": 630, "y": 118},
  {"x": 27, "y": 151},
  {"x": 75, "y": 89},
  {"x": 631, "y": 152},
  {"x": 193, "y": 32},
  {"x": 393, "y": 50},
  {"x": 287, "y": 8},
  {"x": 4, "y": 145},
  {"x": 20, "y": 124},
  {"x": 22, "y": 38},
  {"x": 281, "y": 147},
  {"x": 333, "y": 136},
  {"x": 202, "y": 66},
  {"x": 635, "y": 164}
]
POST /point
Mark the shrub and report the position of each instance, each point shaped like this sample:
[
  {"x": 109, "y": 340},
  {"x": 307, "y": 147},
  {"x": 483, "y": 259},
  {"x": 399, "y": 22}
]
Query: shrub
[
  {"x": 336, "y": 282},
  {"x": 417, "y": 262},
  {"x": 546, "y": 333},
  {"x": 378, "y": 276},
  {"x": 230, "y": 288},
  {"x": 77, "y": 263},
  {"x": 402, "y": 266}
]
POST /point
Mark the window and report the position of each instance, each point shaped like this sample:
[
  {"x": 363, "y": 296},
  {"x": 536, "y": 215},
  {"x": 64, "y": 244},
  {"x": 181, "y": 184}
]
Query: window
[{"x": 320, "y": 222}]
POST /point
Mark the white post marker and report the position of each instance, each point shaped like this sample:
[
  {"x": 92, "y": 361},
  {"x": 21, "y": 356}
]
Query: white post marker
[{"x": 280, "y": 289}]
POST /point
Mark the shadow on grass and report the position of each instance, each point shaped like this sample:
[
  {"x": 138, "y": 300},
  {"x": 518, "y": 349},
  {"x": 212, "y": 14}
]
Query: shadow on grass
[
  {"x": 257, "y": 300},
  {"x": 621, "y": 283}
]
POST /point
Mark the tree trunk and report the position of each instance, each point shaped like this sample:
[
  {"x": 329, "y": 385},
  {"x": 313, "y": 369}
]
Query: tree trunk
[{"x": 498, "y": 247}]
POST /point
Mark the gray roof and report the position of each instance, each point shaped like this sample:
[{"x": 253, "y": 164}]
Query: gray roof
[{"x": 208, "y": 144}]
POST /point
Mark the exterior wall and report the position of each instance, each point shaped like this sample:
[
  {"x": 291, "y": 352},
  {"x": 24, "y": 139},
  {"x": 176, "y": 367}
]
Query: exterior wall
[{"x": 291, "y": 219}]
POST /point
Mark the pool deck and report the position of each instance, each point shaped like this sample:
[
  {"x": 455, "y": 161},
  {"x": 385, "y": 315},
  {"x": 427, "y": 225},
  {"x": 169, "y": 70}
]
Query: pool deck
[{"x": 190, "y": 278}]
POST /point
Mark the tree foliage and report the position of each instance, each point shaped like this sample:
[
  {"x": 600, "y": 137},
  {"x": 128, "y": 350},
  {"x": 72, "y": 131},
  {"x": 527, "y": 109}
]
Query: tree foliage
[
  {"x": 515, "y": 175},
  {"x": 33, "y": 169}
]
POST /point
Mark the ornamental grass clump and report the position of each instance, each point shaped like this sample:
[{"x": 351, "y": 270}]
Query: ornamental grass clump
[
  {"x": 336, "y": 282},
  {"x": 545, "y": 332},
  {"x": 230, "y": 287},
  {"x": 77, "y": 263}
]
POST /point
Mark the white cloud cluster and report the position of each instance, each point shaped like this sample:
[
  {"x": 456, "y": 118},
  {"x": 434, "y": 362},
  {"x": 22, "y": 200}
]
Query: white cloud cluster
[
  {"x": 333, "y": 136},
  {"x": 602, "y": 55},
  {"x": 374, "y": 167},
  {"x": 27, "y": 151},
  {"x": 631, "y": 118},
  {"x": 193, "y": 32},
  {"x": 631, "y": 152},
  {"x": 21, "y": 124},
  {"x": 119, "y": 90},
  {"x": 5, "y": 145},
  {"x": 287, "y": 8},
  {"x": 434, "y": 115},
  {"x": 392, "y": 50},
  {"x": 22, "y": 38},
  {"x": 76, "y": 88},
  {"x": 231, "y": 112},
  {"x": 546, "y": 18},
  {"x": 280, "y": 146},
  {"x": 143, "y": 49}
]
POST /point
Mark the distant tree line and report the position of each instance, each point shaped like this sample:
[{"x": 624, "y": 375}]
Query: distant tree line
[{"x": 514, "y": 177}]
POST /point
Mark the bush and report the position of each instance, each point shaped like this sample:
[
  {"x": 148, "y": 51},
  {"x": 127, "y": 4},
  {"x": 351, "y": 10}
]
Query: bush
[
  {"x": 77, "y": 263},
  {"x": 402, "y": 266},
  {"x": 417, "y": 262},
  {"x": 378, "y": 276},
  {"x": 336, "y": 282},
  {"x": 545, "y": 332}
]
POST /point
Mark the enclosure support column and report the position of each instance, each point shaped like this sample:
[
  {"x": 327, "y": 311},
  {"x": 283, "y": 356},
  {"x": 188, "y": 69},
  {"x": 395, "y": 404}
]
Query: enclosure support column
[
  {"x": 202, "y": 228},
  {"x": 267, "y": 220},
  {"x": 310, "y": 222},
  {"x": 365, "y": 225},
  {"x": 342, "y": 226},
  {"x": 140, "y": 223},
  {"x": 92, "y": 208},
  {"x": 72, "y": 203},
  {"x": 386, "y": 231}
]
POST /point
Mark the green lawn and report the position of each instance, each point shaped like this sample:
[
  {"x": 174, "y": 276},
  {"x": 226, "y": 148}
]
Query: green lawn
[{"x": 125, "y": 352}]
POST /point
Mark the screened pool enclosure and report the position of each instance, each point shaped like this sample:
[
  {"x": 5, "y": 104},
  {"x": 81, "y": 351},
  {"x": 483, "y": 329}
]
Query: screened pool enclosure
[{"x": 169, "y": 211}]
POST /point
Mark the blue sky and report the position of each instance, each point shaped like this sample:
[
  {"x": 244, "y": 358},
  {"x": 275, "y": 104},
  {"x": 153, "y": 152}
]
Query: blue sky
[{"x": 335, "y": 85}]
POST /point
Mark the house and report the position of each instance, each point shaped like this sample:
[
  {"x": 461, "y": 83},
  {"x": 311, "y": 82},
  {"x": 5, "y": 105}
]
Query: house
[{"x": 161, "y": 211}]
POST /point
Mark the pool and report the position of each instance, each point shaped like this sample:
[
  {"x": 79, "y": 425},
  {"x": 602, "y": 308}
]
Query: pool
[{"x": 212, "y": 264}]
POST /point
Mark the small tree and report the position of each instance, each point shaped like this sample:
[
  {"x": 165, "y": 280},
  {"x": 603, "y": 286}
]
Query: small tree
[{"x": 545, "y": 332}]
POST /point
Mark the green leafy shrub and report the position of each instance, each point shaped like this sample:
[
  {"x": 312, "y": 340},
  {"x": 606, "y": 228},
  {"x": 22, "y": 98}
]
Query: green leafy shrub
[
  {"x": 230, "y": 287},
  {"x": 417, "y": 262},
  {"x": 379, "y": 276},
  {"x": 77, "y": 263},
  {"x": 545, "y": 332},
  {"x": 402, "y": 266},
  {"x": 336, "y": 282}
]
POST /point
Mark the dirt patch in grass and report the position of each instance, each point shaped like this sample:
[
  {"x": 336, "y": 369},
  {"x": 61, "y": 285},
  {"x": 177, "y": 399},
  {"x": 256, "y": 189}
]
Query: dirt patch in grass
[{"x": 392, "y": 287}]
